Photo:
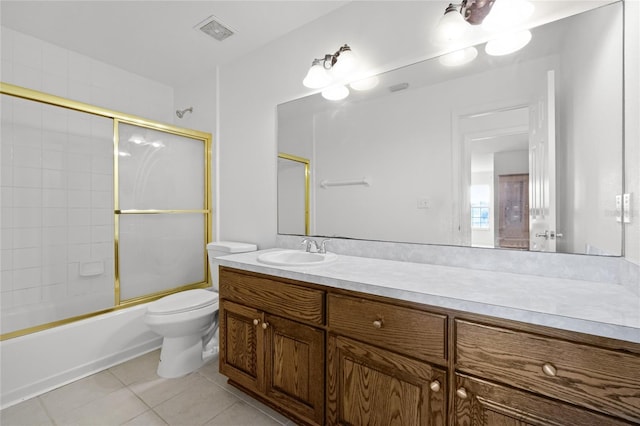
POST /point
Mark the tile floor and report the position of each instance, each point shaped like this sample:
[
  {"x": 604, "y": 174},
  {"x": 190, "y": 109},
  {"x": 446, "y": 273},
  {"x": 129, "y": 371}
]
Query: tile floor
[{"x": 132, "y": 394}]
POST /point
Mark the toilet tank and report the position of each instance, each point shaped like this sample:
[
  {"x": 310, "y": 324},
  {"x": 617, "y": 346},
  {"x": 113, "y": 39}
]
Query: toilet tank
[{"x": 224, "y": 248}]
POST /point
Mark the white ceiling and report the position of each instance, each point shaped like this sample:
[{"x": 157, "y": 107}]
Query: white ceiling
[{"x": 157, "y": 39}]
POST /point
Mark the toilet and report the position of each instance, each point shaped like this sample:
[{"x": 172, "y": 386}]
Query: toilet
[{"x": 188, "y": 320}]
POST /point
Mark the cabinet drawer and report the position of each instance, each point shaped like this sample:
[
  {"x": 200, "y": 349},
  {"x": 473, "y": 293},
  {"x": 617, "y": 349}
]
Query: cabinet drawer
[
  {"x": 276, "y": 297},
  {"x": 597, "y": 378},
  {"x": 478, "y": 402},
  {"x": 408, "y": 331}
]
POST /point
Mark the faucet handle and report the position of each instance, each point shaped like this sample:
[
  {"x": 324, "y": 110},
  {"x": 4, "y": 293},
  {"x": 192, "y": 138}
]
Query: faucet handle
[
  {"x": 308, "y": 243},
  {"x": 323, "y": 248}
]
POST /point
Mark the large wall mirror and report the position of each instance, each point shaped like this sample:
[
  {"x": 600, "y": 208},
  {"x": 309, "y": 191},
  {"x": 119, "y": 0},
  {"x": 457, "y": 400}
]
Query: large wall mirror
[{"x": 523, "y": 151}]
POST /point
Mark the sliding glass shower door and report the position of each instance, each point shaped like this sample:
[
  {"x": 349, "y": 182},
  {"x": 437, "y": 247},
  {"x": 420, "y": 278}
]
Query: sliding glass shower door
[
  {"x": 161, "y": 211},
  {"x": 100, "y": 210}
]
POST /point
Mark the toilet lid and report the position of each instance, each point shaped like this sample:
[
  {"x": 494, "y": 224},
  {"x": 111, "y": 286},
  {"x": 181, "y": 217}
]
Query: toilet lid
[{"x": 183, "y": 301}]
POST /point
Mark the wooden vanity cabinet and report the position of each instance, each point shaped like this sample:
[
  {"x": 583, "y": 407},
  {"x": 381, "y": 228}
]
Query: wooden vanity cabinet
[
  {"x": 346, "y": 358},
  {"x": 523, "y": 377},
  {"x": 277, "y": 359},
  {"x": 483, "y": 403},
  {"x": 378, "y": 369}
]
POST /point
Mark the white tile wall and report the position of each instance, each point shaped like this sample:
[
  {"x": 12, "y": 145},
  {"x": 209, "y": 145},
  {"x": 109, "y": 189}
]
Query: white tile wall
[
  {"x": 56, "y": 179},
  {"x": 48, "y": 230}
]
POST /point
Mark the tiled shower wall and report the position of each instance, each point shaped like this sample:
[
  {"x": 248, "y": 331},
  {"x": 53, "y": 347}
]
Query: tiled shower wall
[
  {"x": 56, "y": 179},
  {"x": 57, "y": 213}
]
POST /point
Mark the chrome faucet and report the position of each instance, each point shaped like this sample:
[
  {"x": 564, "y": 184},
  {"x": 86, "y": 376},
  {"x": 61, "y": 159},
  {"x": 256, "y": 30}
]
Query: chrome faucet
[
  {"x": 308, "y": 243},
  {"x": 323, "y": 248}
]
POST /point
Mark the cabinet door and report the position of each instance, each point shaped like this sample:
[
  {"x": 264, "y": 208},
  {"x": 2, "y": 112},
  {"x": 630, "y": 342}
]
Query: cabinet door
[
  {"x": 294, "y": 367},
  {"x": 367, "y": 385},
  {"x": 241, "y": 345},
  {"x": 480, "y": 403}
]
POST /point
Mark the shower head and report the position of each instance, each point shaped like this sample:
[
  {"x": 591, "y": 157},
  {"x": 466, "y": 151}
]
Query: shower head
[{"x": 180, "y": 113}]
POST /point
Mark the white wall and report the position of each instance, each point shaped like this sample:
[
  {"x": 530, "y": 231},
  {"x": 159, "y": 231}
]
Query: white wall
[{"x": 589, "y": 153}]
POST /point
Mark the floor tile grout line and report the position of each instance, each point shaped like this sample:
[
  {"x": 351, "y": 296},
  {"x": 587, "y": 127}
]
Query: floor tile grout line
[
  {"x": 46, "y": 410},
  {"x": 238, "y": 399}
]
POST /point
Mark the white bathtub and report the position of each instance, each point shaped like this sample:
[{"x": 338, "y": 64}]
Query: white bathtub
[
  {"x": 45, "y": 312},
  {"x": 39, "y": 362}
]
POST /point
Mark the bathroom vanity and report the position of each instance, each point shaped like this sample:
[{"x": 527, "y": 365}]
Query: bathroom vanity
[{"x": 376, "y": 342}]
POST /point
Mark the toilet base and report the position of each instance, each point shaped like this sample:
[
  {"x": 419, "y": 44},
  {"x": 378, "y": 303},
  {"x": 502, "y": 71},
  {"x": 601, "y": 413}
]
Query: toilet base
[{"x": 180, "y": 356}]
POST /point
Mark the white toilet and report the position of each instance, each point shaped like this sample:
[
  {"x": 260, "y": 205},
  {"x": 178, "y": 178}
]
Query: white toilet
[{"x": 188, "y": 320}]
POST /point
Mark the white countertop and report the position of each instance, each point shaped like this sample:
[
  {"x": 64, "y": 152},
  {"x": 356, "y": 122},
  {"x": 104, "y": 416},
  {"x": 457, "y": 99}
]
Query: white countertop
[{"x": 601, "y": 309}]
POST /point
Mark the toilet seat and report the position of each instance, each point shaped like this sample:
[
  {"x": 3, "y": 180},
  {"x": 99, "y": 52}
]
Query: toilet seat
[{"x": 183, "y": 301}]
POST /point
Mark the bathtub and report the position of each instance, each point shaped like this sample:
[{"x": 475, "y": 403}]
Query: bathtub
[{"x": 42, "y": 361}]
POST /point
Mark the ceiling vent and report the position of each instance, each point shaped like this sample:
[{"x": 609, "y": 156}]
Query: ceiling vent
[{"x": 212, "y": 27}]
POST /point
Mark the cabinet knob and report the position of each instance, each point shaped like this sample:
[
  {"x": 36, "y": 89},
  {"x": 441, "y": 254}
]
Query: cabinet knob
[
  {"x": 462, "y": 393},
  {"x": 377, "y": 323},
  {"x": 256, "y": 321},
  {"x": 549, "y": 370},
  {"x": 435, "y": 386},
  {"x": 265, "y": 325}
]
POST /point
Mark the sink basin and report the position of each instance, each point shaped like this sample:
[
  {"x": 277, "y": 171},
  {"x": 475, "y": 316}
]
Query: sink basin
[{"x": 295, "y": 258}]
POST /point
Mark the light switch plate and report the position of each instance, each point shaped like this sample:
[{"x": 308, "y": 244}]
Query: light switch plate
[{"x": 618, "y": 208}]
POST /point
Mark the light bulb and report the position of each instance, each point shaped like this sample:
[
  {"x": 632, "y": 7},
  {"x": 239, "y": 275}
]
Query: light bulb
[
  {"x": 335, "y": 93},
  {"x": 317, "y": 76},
  {"x": 508, "y": 43},
  {"x": 459, "y": 57},
  {"x": 507, "y": 14},
  {"x": 451, "y": 26}
]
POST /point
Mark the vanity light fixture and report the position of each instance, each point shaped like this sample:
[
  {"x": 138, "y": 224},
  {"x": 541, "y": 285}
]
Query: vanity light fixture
[
  {"x": 494, "y": 15},
  {"x": 326, "y": 70},
  {"x": 457, "y": 19},
  {"x": 451, "y": 26}
]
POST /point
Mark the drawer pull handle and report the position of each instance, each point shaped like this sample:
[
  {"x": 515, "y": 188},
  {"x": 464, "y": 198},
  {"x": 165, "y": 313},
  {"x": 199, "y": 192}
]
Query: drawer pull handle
[
  {"x": 435, "y": 386},
  {"x": 462, "y": 393},
  {"x": 549, "y": 370},
  {"x": 265, "y": 325},
  {"x": 256, "y": 321},
  {"x": 377, "y": 323}
]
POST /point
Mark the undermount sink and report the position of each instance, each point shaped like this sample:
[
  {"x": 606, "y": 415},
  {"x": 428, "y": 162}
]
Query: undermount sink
[{"x": 295, "y": 258}]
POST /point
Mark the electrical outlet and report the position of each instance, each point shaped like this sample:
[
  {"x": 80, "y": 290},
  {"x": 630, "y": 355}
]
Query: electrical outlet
[{"x": 423, "y": 203}]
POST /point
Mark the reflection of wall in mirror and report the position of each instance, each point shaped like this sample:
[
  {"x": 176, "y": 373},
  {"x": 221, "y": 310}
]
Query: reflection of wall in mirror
[
  {"x": 374, "y": 137},
  {"x": 589, "y": 154}
]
